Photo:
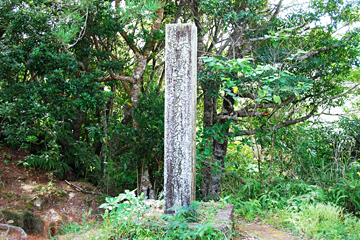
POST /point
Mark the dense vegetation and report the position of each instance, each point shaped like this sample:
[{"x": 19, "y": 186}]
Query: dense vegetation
[{"x": 82, "y": 89}]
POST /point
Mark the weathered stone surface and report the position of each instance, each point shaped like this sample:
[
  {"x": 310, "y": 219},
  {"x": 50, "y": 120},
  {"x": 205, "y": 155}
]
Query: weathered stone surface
[
  {"x": 40, "y": 202},
  {"x": 180, "y": 115},
  {"x": 26, "y": 220},
  {"x": 43, "y": 225},
  {"x": 224, "y": 219}
]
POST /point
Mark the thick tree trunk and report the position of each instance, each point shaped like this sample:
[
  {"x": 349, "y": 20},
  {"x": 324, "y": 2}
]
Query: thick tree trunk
[
  {"x": 208, "y": 179},
  {"x": 142, "y": 60},
  {"x": 142, "y": 57},
  {"x": 212, "y": 173}
]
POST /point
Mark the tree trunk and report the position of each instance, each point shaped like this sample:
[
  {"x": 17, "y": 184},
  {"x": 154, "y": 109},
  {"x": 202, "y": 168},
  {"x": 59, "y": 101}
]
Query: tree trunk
[
  {"x": 145, "y": 185},
  {"x": 76, "y": 125},
  {"x": 208, "y": 179},
  {"x": 212, "y": 173},
  {"x": 142, "y": 60}
]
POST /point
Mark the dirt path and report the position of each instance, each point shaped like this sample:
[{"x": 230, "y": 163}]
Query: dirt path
[{"x": 258, "y": 231}]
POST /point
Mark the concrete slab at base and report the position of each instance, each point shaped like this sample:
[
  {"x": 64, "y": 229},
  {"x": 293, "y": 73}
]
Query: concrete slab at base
[{"x": 225, "y": 219}]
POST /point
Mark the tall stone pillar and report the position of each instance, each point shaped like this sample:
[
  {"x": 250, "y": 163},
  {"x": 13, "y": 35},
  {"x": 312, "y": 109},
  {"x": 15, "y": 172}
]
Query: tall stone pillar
[{"x": 180, "y": 115}]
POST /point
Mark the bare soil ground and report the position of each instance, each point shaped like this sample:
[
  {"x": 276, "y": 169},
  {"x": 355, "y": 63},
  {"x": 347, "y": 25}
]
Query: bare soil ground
[
  {"x": 35, "y": 192},
  {"x": 258, "y": 231}
]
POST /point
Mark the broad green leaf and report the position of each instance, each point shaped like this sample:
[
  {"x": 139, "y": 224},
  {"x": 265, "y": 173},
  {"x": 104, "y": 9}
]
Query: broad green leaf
[
  {"x": 262, "y": 93},
  {"x": 277, "y": 99},
  {"x": 229, "y": 83}
]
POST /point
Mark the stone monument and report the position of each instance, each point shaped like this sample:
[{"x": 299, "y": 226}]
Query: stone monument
[{"x": 180, "y": 115}]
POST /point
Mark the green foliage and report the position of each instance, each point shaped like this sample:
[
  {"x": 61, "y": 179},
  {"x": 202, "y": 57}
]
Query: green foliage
[
  {"x": 228, "y": 11},
  {"x": 71, "y": 227},
  {"x": 322, "y": 153},
  {"x": 62, "y": 153},
  {"x": 240, "y": 77},
  {"x": 43, "y": 92},
  {"x": 204, "y": 149},
  {"x": 187, "y": 213},
  {"x": 145, "y": 144},
  {"x": 125, "y": 217},
  {"x": 60, "y": 101},
  {"x": 124, "y": 201},
  {"x": 278, "y": 75},
  {"x": 150, "y": 115},
  {"x": 133, "y": 9}
]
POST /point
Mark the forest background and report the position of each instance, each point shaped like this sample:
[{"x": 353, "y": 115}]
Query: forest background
[{"x": 82, "y": 89}]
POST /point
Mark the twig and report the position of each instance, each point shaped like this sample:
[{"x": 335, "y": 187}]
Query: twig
[
  {"x": 19, "y": 229},
  {"x": 79, "y": 189}
]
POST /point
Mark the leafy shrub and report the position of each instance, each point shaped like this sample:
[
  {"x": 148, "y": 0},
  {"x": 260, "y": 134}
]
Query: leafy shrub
[
  {"x": 144, "y": 146},
  {"x": 345, "y": 193}
]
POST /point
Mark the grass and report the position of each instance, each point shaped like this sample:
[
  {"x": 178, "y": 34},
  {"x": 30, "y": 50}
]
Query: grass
[
  {"x": 324, "y": 221},
  {"x": 74, "y": 228},
  {"x": 299, "y": 207}
]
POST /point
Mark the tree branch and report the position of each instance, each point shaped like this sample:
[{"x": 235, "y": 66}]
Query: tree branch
[
  {"x": 132, "y": 46},
  {"x": 297, "y": 120},
  {"x": 123, "y": 149},
  {"x": 268, "y": 37},
  {"x": 233, "y": 117},
  {"x": 341, "y": 94},
  {"x": 321, "y": 50},
  {"x": 115, "y": 77},
  {"x": 312, "y": 53},
  {"x": 276, "y": 13},
  {"x": 156, "y": 26},
  {"x": 79, "y": 189}
]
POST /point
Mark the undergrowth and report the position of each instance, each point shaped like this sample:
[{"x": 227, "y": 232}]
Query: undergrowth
[
  {"x": 305, "y": 209},
  {"x": 128, "y": 217}
]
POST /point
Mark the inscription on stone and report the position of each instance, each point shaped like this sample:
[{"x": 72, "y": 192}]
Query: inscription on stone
[{"x": 180, "y": 115}]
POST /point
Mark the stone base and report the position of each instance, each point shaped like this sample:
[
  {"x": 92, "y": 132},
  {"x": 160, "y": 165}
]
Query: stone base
[{"x": 224, "y": 219}]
